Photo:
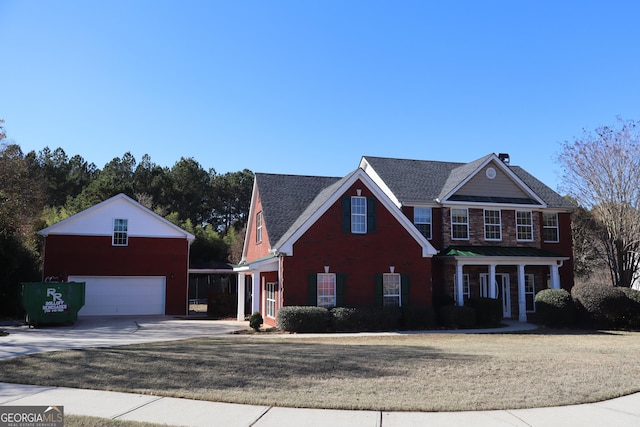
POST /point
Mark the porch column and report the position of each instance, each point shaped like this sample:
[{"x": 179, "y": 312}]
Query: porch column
[
  {"x": 459, "y": 286},
  {"x": 554, "y": 274},
  {"x": 255, "y": 292},
  {"x": 492, "y": 281},
  {"x": 522, "y": 302},
  {"x": 241, "y": 288}
]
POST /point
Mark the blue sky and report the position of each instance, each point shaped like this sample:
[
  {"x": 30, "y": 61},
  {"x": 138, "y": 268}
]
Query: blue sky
[{"x": 308, "y": 87}]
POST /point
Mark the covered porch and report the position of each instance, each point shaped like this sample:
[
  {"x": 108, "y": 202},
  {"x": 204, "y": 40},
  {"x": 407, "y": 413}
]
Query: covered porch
[
  {"x": 512, "y": 274},
  {"x": 255, "y": 293}
]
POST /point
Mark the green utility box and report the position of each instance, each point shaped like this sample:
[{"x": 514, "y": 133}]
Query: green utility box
[{"x": 52, "y": 302}]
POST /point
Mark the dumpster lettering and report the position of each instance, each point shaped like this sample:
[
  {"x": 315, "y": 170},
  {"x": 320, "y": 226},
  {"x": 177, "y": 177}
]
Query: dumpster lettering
[{"x": 56, "y": 305}]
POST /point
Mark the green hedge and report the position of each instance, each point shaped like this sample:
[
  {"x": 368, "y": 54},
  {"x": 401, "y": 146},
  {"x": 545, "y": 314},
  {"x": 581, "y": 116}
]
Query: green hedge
[
  {"x": 555, "y": 308},
  {"x": 633, "y": 315},
  {"x": 457, "y": 317},
  {"x": 601, "y": 305},
  {"x": 417, "y": 318},
  {"x": 303, "y": 319},
  {"x": 488, "y": 310}
]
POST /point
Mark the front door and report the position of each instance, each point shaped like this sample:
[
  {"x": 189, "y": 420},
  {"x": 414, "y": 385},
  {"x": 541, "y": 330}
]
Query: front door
[{"x": 502, "y": 288}]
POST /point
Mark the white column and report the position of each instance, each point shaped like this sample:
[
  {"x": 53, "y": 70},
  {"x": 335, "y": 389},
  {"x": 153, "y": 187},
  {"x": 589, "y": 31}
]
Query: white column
[
  {"x": 492, "y": 281},
  {"x": 255, "y": 292},
  {"x": 554, "y": 273},
  {"x": 459, "y": 286},
  {"x": 241, "y": 297},
  {"x": 522, "y": 302}
]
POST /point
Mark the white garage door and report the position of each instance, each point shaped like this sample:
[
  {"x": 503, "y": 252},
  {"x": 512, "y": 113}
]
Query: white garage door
[{"x": 122, "y": 295}]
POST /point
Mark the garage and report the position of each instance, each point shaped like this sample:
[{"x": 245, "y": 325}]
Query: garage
[{"x": 122, "y": 295}]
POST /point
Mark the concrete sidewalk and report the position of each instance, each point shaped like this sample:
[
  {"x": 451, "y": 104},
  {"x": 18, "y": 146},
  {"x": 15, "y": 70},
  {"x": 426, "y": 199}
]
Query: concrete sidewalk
[{"x": 620, "y": 412}]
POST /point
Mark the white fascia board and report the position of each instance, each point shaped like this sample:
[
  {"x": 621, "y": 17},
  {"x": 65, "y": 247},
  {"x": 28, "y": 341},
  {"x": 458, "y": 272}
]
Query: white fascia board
[
  {"x": 250, "y": 220},
  {"x": 368, "y": 169},
  {"x": 504, "y": 168},
  {"x": 501, "y": 206},
  {"x": 257, "y": 266},
  {"x": 427, "y": 249},
  {"x": 505, "y": 261}
]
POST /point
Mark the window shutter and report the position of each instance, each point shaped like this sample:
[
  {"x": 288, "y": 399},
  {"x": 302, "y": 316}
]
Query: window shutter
[
  {"x": 377, "y": 292},
  {"x": 405, "y": 289},
  {"x": 312, "y": 289},
  {"x": 371, "y": 215},
  {"x": 341, "y": 289},
  {"x": 346, "y": 214}
]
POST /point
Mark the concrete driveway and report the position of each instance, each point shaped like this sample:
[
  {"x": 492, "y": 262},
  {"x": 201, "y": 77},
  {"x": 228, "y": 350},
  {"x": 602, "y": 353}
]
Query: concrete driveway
[{"x": 109, "y": 331}]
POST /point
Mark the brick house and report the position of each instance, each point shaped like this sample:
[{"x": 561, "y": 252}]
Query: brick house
[{"x": 401, "y": 232}]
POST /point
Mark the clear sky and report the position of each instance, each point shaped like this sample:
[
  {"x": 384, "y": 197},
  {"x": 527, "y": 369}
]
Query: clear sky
[{"x": 308, "y": 87}]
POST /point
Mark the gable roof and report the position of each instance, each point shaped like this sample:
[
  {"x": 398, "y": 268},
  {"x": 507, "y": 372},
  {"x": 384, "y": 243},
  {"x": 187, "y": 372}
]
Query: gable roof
[
  {"x": 429, "y": 182},
  {"x": 98, "y": 221},
  {"x": 291, "y": 204}
]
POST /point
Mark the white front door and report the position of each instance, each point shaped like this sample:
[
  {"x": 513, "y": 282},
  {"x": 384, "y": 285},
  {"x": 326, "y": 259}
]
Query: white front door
[{"x": 502, "y": 288}]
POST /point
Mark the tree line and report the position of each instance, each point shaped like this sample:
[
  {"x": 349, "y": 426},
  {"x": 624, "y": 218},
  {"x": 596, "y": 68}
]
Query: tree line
[{"x": 38, "y": 189}]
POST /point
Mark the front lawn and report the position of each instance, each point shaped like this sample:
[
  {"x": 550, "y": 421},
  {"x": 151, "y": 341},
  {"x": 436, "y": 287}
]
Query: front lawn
[{"x": 431, "y": 372}]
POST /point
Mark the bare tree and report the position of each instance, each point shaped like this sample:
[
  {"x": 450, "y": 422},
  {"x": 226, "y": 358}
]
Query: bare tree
[{"x": 602, "y": 173}]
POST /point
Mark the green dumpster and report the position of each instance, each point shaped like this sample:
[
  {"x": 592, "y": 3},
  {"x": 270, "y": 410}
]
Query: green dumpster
[{"x": 51, "y": 302}]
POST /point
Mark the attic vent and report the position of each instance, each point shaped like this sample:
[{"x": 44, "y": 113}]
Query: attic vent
[{"x": 504, "y": 157}]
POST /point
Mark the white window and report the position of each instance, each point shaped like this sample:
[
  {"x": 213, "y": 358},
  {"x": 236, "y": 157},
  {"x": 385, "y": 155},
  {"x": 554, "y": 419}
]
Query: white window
[
  {"x": 271, "y": 299},
  {"x": 492, "y": 225},
  {"x": 391, "y": 290},
  {"x": 550, "y": 227},
  {"x": 422, "y": 221},
  {"x": 530, "y": 292},
  {"x": 120, "y": 236},
  {"x": 358, "y": 214},
  {"x": 524, "y": 225},
  {"x": 460, "y": 224},
  {"x": 466, "y": 289},
  {"x": 259, "y": 227},
  {"x": 326, "y": 290}
]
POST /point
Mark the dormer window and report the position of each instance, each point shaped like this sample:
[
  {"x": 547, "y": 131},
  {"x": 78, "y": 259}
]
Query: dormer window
[{"x": 120, "y": 235}]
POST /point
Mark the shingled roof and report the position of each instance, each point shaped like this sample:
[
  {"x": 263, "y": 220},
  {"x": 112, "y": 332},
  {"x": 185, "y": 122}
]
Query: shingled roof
[{"x": 427, "y": 181}]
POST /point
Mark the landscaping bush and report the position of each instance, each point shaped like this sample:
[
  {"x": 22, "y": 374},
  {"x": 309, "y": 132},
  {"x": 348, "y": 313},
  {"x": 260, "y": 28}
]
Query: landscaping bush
[
  {"x": 488, "y": 310},
  {"x": 365, "y": 319},
  {"x": 418, "y": 318},
  {"x": 555, "y": 308},
  {"x": 303, "y": 319},
  {"x": 255, "y": 321},
  {"x": 633, "y": 316},
  {"x": 601, "y": 305},
  {"x": 457, "y": 317}
]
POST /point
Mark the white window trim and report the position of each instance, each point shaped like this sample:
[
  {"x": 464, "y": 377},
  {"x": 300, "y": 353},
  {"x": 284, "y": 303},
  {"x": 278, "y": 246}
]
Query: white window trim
[
  {"x": 272, "y": 288},
  {"x": 466, "y": 287},
  {"x": 319, "y": 275},
  {"x": 530, "y": 226},
  {"x": 530, "y": 277},
  {"x": 499, "y": 225},
  {"x": 399, "y": 294},
  {"x": 429, "y": 224},
  {"x": 459, "y": 223},
  {"x": 354, "y": 215},
  {"x": 125, "y": 232},
  {"x": 556, "y": 227},
  {"x": 259, "y": 227}
]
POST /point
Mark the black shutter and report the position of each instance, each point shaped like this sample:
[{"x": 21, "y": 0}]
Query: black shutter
[
  {"x": 346, "y": 214},
  {"x": 341, "y": 289},
  {"x": 405, "y": 289},
  {"x": 377, "y": 291},
  {"x": 312, "y": 289},
  {"x": 371, "y": 215}
]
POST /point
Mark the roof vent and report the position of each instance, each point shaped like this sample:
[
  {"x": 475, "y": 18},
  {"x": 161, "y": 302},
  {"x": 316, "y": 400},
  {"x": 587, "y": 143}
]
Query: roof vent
[{"x": 504, "y": 157}]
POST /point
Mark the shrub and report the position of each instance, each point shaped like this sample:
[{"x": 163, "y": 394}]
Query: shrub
[
  {"x": 555, "y": 308},
  {"x": 418, "y": 318},
  {"x": 457, "y": 317},
  {"x": 633, "y": 315},
  {"x": 488, "y": 310},
  {"x": 600, "y": 305},
  {"x": 303, "y": 319},
  {"x": 255, "y": 321},
  {"x": 363, "y": 319}
]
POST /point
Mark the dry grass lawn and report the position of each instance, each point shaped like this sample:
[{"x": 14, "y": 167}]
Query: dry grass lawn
[{"x": 431, "y": 372}]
